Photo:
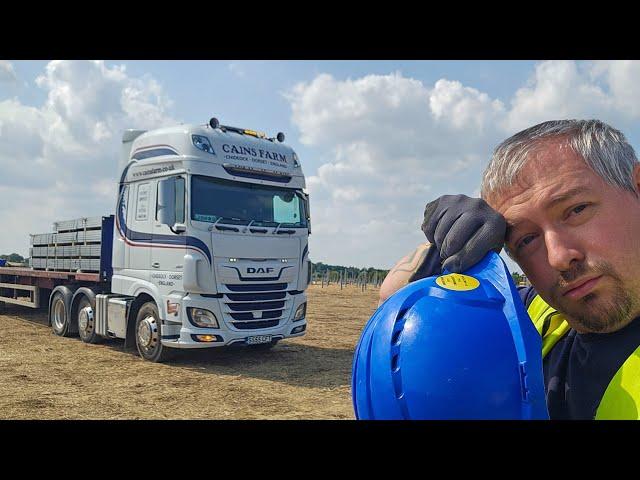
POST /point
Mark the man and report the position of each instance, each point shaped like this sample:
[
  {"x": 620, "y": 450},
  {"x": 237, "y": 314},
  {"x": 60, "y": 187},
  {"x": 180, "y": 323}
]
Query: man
[{"x": 563, "y": 197}]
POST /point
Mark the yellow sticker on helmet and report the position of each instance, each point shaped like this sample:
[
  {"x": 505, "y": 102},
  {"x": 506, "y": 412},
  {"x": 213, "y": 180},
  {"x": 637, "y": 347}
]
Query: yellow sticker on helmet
[{"x": 457, "y": 281}]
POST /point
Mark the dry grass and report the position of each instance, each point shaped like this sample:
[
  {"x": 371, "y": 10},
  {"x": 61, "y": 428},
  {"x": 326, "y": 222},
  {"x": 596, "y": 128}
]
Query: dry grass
[{"x": 43, "y": 376}]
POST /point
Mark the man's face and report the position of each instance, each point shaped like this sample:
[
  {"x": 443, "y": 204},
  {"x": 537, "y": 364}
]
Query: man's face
[{"x": 576, "y": 238}]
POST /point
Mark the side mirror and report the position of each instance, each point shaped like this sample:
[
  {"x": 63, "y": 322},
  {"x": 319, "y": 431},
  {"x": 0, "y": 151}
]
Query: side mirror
[
  {"x": 307, "y": 212},
  {"x": 167, "y": 201}
]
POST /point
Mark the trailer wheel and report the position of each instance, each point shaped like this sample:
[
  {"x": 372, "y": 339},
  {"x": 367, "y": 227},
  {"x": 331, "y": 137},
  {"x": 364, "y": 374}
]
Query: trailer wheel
[
  {"x": 149, "y": 333},
  {"x": 87, "y": 320},
  {"x": 59, "y": 315}
]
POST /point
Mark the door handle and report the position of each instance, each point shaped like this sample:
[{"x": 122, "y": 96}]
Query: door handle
[{"x": 155, "y": 264}]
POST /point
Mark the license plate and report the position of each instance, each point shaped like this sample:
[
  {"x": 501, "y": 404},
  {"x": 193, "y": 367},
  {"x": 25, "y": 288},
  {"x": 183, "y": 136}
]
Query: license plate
[{"x": 258, "y": 339}]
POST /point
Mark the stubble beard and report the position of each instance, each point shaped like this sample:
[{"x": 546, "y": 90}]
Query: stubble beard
[{"x": 595, "y": 312}]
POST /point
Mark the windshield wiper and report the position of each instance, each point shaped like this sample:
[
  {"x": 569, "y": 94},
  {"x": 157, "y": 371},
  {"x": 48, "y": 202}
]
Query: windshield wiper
[
  {"x": 232, "y": 229},
  {"x": 277, "y": 231},
  {"x": 222, "y": 220},
  {"x": 225, "y": 228}
]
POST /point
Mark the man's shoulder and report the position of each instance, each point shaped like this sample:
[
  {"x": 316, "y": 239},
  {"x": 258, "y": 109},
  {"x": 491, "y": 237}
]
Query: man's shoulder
[{"x": 527, "y": 294}]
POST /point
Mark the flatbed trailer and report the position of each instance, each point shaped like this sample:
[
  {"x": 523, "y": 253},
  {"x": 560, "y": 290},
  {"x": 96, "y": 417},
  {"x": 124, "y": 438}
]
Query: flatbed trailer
[{"x": 17, "y": 284}]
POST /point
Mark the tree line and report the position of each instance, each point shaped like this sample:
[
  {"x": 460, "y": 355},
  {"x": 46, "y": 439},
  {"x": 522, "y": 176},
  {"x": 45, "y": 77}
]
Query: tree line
[
  {"x": 14, "y": 258},
  {"x": 321, "y": 270},
  {"x": 335, "y": 271}
]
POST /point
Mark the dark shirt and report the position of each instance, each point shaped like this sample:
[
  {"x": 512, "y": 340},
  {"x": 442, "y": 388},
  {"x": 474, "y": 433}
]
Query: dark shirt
[{"x": 579, "y": 368}]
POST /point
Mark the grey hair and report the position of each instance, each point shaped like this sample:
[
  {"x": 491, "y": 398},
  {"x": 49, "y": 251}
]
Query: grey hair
[{"x": 604, "y": 149}]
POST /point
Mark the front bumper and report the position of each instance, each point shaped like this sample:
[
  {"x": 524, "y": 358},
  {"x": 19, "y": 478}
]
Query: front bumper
[{"x": 181, "y": 334}]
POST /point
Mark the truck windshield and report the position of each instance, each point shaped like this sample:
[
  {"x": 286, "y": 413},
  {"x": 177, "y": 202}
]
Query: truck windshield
[{"x": 216, "y": 200}]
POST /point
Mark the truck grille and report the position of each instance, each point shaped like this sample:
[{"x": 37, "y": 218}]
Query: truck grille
[
  {"x": 244, "y": 307},
  {"x": 249, "y": 316},
  {"x": 250, "y": 297},
  {"x": 251, "y": 307},
  {"x": 256, "y": 288},
  {"x": 254, "y": 325}
]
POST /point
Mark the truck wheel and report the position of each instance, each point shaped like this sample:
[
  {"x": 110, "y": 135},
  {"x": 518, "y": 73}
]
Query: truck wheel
[
  {"x": 149, "y": 333},
  {"x": 87, "y": 321},
  {"x": 59, "y": 313}
]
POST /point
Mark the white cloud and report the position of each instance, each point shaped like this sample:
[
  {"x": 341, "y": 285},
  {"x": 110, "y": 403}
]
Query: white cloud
[
  {"x": 7, "y": 72},
  {"x": 623, "y": 80},
  {"x": 607, "y": 90},
  {"x": 60, "y": 160},
  {"x": 558, "y": 89},
  {"x": 392, "y": 143}
]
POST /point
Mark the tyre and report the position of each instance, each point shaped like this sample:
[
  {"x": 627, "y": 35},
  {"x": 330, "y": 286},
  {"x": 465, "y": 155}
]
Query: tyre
[
  {"x": 85, "y": 315},
  {"x": 148, "y": 334},
  {"x": 59, "y": 315}
]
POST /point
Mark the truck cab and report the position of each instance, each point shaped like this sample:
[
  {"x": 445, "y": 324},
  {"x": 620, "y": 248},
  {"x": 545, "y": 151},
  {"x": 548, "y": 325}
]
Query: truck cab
[{"x": 210, "y": 241}]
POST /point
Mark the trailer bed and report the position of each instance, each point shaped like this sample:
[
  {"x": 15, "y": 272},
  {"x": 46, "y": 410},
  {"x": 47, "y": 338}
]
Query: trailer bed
[
  {"x": 29, "y": 272},
  {"x": 21, "y": 286}
]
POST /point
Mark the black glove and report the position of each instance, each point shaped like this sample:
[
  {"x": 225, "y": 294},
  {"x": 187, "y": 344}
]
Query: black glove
[
  {"x": 463, "y": 229},
  {"x": 431, "y": 265}
]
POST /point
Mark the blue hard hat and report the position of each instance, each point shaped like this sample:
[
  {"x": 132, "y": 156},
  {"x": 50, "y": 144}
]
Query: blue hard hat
[{"x": 454, "y": 346}]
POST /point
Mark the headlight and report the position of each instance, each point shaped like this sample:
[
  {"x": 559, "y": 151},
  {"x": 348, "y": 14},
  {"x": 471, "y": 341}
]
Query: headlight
[
  {"x": 202, "y": 143},
  {"x": 202, "y": 318},
  {"x": 300, "y": 312}
]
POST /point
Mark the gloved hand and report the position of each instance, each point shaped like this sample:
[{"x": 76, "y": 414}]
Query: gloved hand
[
  {"x": 463, "y": 229},
  {"x": 429, "y": 266}
]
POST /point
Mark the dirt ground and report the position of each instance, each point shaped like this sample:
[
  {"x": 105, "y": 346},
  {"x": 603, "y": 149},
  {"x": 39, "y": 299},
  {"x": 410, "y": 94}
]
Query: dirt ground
[{"x": 43, "y": 376}]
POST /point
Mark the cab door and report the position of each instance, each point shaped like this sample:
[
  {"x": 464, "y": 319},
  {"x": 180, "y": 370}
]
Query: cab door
[
  {"x": 140, "y": 224},
  {"x": 167, "y": 254}
]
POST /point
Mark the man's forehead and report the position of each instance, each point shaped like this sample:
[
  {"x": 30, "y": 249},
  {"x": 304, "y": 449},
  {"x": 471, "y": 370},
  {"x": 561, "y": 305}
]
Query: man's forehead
[{"x": 550, "y": 173}]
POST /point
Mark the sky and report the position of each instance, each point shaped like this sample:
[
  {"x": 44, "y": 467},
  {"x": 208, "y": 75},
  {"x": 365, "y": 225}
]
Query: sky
[{"x": 377, "y": 140}]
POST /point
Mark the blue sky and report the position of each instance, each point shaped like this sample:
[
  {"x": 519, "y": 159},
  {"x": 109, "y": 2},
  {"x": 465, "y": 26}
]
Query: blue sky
[
  {"x": 249, "y": 93},
  {"x": 377, "y": 139}
]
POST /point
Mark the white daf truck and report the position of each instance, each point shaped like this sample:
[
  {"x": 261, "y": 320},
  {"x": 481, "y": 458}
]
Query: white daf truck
[{"x": 208, "y": 247}]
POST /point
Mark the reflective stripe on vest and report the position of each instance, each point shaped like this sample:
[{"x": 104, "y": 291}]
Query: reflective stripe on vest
[
  {"x": 621, "y": 399},
  {"x": 550, "y": 324}
]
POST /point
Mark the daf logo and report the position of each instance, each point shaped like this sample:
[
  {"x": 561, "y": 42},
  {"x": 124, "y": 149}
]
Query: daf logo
[{"x": 259, "y": 270}]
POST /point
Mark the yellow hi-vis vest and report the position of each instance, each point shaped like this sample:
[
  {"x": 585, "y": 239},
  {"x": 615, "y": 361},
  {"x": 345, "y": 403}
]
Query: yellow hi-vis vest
[{"x": 621, "y": 399}]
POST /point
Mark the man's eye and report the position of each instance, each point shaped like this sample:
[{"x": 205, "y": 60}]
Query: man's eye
[
  {"x": 525, "y": 241},
  {"x": 578, "y": 209}
]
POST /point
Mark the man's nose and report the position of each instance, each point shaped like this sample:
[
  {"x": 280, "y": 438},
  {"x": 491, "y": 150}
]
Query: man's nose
[{"x": 562, "y": 250}]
